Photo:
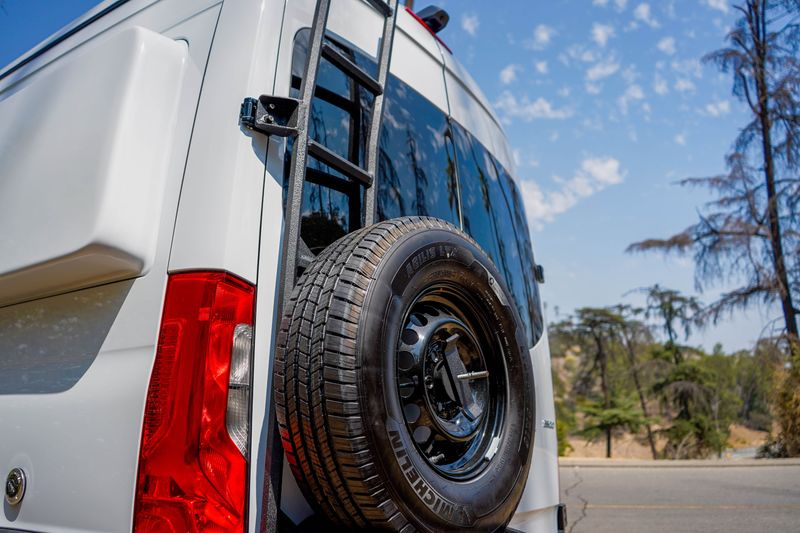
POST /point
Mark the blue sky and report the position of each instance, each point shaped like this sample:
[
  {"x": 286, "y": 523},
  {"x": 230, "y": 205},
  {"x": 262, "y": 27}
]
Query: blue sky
[{"x": 606, "y": 105}]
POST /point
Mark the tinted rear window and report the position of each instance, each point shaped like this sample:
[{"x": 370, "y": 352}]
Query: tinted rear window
[
  {"x": 492, "y": 220},
  {"x": 523, "y": 236},
  {"x": 428, "y": 165},
  {"x": 416, "y": 172},
  {"x": 339, "y": 121}
]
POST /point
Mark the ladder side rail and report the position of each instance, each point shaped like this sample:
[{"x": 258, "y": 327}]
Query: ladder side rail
[
  {"x": 271, "y": 502},
  {"x": 299, "y": 160},
  {"x": 354, "y": 196},
  {"x": 293, "y": 213},
  {"x": 373, "y": 136}
]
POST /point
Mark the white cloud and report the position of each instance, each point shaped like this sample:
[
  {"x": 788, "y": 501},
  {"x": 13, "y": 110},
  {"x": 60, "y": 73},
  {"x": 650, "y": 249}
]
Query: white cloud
[
  {"x": 594, "y": 175},
  {"x": 660, "y": 86},
  {"x": 592, "y": 123},
  {"x": 687, "y": 67},
  {"x": 601, "y": 33},
  {"x": 620, "y": 4},
  {"x": 684, "y": 85},
  {"x": 470, "y": 24},
  {"x": 680, "y": 139},
  {"x": 602, "y": 69},
  {"x": 642, "y": 13},
  {"x": 541, "y": 67},
  {"x": 604, "y": 170},
  {"x": 632, "y": 93},
  {"x": 521, "y": 160},
  {"x": 593, "y": 88},
  {"x": 577, "y": 52},
  {"x": 719, "y": 5},
  {"x": 630, "y": 74},
  {"x": 542, "y": 35},
  {"x": 509, "y": 74},
  {"x": 718, "y": 108},
  {"x": 667, "y": 45},
  {"x": 510, "y": 107}
]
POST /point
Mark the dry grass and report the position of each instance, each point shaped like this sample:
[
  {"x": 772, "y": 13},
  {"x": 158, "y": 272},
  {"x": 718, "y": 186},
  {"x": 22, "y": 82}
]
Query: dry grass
[{"x": 630, "y": 447}]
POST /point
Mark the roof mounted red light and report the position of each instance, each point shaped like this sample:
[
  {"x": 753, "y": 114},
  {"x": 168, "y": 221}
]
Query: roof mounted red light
[{"x": 418, "y": 19}]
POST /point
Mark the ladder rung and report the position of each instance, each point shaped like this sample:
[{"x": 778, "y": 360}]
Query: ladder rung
[
  {"x": 339, "y": 163},
  {"x": 351, "y": 69},
  {"x": 382, "y": 6},
  {"x": 331, "y": 181}
]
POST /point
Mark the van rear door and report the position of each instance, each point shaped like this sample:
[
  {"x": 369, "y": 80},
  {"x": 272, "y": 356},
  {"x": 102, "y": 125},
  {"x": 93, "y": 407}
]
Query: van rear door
[{"x": 96, "y": 128}]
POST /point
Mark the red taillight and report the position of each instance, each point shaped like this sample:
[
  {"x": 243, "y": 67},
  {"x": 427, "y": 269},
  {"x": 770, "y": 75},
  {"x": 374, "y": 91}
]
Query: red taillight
[{"x": 192, "y": 475}]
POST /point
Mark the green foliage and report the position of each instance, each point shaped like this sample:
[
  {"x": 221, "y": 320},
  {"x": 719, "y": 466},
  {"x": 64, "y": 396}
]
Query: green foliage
[
  {"x": 673, "y": 310},
  {"x": 562, "y": 434},
  {"x": 747, "y": 237},
  {"x": 623, "y": 415},
  {"x": 724, "y": 400},
  {"x": 565, "y": 414},
  {"x": 683, "y": 388},
  {"x": 755, "y": 381},
  {"x": 787, "y": 406},
  {"x": 697, "y": 437},
  {"x": 703, "y": 393},
  {"x": 612, "y": 377}
]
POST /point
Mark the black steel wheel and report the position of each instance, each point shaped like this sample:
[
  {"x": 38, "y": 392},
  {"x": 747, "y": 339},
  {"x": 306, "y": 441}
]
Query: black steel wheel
[
  {"x": 453, "y": 397},
  {"x": 403, "y": 384}
]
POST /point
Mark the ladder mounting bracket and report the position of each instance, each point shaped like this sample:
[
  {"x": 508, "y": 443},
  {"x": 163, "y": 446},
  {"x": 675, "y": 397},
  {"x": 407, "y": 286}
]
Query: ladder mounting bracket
[{"x": 271, "y": 115}]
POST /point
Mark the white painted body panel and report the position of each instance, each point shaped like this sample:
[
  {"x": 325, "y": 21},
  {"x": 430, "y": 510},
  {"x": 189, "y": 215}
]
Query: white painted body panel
[
  {"x": 75, "y": 398},
  {"x": 219, "y": 215},
  {"x": 541, "y": 491},
  {"x": 545, "y": 519},
  {"x": 92, "y": 156},
  {"x": 470, "y": 108},
  {"x": 74, "y": 368}
]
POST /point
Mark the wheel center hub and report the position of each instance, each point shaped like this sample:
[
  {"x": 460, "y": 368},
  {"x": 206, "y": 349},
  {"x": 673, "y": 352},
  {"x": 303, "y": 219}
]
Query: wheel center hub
[
  {"x": 451, "y": 404},
  {"x": 456, "y": 384}
]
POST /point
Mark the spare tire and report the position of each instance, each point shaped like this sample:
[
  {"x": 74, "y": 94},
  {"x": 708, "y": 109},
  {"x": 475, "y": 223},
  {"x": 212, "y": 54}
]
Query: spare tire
[{"x": 403, "y": 385}]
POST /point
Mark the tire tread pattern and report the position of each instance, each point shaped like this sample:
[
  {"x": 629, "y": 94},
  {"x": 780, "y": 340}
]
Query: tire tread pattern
[{"x": 316, "y": 379}]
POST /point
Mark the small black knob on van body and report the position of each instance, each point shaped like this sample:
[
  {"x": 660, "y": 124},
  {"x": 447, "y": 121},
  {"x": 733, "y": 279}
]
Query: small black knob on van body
[{"x": 15, "y": 486}]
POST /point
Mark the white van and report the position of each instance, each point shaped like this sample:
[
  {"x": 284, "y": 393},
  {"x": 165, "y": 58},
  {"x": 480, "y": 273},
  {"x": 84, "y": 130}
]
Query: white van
[{"x": 264, "y": 267}]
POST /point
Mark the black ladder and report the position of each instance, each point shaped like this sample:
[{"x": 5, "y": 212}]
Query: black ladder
[
  {"x": 290, "y": 117},
  {"x": 286, "y": 117}
]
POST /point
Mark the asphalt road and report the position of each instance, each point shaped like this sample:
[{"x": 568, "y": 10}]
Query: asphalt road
[{"x": 746, "y": 496}]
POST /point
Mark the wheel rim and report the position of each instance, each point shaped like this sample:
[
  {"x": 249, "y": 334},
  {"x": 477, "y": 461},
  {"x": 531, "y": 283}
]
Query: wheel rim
[{"x": 453, "y": 396}]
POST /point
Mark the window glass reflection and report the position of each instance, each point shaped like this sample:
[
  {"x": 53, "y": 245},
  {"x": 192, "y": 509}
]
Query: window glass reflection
[
  {"x": 488, "y": 218},
  {"x": 339, "y": 121},
  {"x": 526, "y": 251},
  {"x": 416, "y": 169},
  {"x": 417, "y": 174}
]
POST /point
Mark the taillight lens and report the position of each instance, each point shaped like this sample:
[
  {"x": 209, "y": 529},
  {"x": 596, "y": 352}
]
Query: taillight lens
[{"x": 193, "y": 459}]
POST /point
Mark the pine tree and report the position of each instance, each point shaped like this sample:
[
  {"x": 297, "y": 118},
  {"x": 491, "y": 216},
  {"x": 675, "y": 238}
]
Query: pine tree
[{"x": 750, "y": 233}]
